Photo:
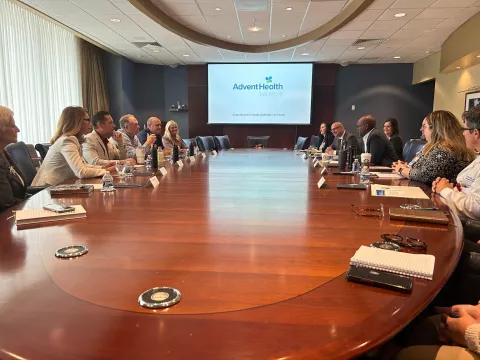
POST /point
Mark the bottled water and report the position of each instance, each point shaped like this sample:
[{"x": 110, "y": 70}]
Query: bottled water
[
  {"x": 148, "y": 162},
  {"x": 356, "y": 166},
  {"x": 107, "y": 182}
]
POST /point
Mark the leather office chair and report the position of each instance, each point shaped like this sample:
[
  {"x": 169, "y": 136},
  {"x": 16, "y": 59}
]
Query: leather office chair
[
  {"x": 301, "y": 143},
  {"x": 19, "y": 158},
  {"x": 257, "y": 140},
  {"x": 206, "y": 142},
  {"x": 42, "y": 149},
  {"x": 315, "y": 141},
  {"x": 187, "y": 142},
  {"x": 411, "y": 148},
  {"x": 223, "y": 142},
  {"x": 34, "y": 155}
]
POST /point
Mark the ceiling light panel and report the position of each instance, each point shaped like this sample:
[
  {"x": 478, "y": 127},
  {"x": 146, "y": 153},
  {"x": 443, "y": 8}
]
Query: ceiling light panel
[{"x": 389, "y": 14}]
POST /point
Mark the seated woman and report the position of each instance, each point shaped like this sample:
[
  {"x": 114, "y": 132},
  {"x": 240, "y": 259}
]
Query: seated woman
[
  {"x": 390, "y": 128},
  {"x": 171, "y": 137},
  {"x": 444, "y": 155},
  {"x": 326, "y": 137},
  {"x": 64, "y": 158},
  {"x": 12, "y": 188}
]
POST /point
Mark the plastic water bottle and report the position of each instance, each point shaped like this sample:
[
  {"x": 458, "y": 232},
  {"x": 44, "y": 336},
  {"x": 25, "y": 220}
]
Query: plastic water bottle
[
  {"x": 148, "y": 162},
  {"x": 107, "y": 182},
  {"x": 356, "y": 166}
]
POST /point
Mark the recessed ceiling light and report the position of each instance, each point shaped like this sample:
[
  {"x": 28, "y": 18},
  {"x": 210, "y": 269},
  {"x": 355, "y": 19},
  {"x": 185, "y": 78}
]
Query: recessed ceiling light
[
  {"x": 399, "y": 15},
  {"x": 156, "y": 50},
  {"x": 361, "y": 48},
  {"x": 217, "y": 9},
  {"x": 115, "y": 20},
  {"x": 478, "y": 56},
  {"x": 254, "y": 28},
  {"x": 229, "y": 37},
  {"x": 284, "y": 36},
  {"x": 397, "y": 57},
  {"x": 289, "y": 8},
  {"x": 186, "y": 55},
  {"x": 458, "y": 67},
  {"x": 305, "y": 54},
  {"x": 428, "y": 52}
]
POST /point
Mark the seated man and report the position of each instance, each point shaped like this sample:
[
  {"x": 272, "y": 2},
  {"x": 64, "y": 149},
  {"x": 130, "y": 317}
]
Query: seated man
[
  {"x": 375, "y": 142},
  {"x": 154, "y": 126},
  {"x": 464, "y": 198},
  {"x": 129, "y": 130},
  {"x": 98, "y": 148},
  {"x": 343, "y": 139}
]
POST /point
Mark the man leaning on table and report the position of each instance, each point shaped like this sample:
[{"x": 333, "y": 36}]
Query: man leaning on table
[
  {"x": 129, "y": 130},
  {"x": 374, "y": 142},
  {"x": 99, "y": 148},
  {"x": 343, "y": 139}
]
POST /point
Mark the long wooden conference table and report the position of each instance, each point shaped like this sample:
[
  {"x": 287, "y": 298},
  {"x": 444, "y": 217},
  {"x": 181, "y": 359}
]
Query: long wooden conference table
[{"x": 257, "y": 250}]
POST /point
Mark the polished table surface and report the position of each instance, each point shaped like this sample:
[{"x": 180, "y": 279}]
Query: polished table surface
[{"x": 258, "y": 252}]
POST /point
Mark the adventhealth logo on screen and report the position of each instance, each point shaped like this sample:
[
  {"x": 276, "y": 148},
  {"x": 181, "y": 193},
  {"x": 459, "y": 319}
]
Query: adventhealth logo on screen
[{"x": 269, "y": 85}]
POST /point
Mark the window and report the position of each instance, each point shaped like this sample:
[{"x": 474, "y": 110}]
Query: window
[{"x": 40, "y": 71}]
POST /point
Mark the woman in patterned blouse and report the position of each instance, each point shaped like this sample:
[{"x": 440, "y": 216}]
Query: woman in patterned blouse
[{"x": 444, "y": 155}]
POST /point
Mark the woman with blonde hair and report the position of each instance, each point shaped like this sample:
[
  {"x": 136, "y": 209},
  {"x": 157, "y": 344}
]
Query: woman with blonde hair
[
  {"x": 64, "y": 158},
  {"x": 444, "y": 155},
  {"x": 171, "y": 136}
]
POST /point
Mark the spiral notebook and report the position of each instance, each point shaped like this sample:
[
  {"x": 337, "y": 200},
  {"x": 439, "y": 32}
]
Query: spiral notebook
[
  {"x": 416, "y": 265},
  {"x": 37, "y": 216}
]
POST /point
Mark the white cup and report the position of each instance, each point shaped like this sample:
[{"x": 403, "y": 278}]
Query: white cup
[
  {"x": 366, "y": 156},
  {"x": 334, "y": 152},
  {"x": 140, "y": 155}
]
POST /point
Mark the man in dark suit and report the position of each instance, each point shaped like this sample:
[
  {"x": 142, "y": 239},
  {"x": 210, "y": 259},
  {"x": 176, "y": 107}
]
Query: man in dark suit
[
  {"x": 343, "y": 139},
  {"x": 375, "y": 142},
  {"x": 154, "y": 126}
]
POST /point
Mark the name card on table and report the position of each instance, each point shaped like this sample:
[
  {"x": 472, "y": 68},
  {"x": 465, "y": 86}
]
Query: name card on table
[
  {"x": 305, "y": 156},
  {"x": 321, "y": 182},
  {"x": 163, "y": 171},
  {"x": 179, "y": 163},
  {"x": 152, "y": 182},
  {"x": 214, "y": 153},
  {"x": 192, "y": 159},
  {"x": 316, "y": 163},
  {"x": 323, "y": 170}
]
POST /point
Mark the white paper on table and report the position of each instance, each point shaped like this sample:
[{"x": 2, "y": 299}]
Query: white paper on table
[
  {"x": 411, "y": 192},
  {"x": 387, "y": 175},
  {"x": 380, "y": 168}
]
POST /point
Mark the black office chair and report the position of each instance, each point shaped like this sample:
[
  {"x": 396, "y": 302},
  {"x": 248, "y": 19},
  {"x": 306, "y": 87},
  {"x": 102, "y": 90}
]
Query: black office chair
[
  {"x": 207, "y": 143},
  {"x": 19, "y": 157},
  {"x": 187, "y": 142},
  {"x": 42, "y": 149},
  {"x": 257, "y": 140},
  {"x": 315, "y": 141},
  {"x": 411, "y": 148},
  {"x": 301, "y": 143},
  {"x": 223, "y": 142}
]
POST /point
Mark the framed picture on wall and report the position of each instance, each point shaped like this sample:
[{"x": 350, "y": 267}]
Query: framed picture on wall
[{"x": 472, "y": 99}]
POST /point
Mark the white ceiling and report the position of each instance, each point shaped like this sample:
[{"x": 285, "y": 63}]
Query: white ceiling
[{"x": 422, "y": 31}]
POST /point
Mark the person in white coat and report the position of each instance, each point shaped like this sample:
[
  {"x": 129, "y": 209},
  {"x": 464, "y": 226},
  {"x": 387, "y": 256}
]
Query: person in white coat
[
  {"x": 99, "y": 148},
  {"x": 64, "y": 159},
  {"x": 464, "y": 196}
]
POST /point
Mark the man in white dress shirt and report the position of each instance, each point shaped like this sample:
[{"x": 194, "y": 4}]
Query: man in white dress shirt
[
  {"x": 464, "y": 197},
  {"x": 129, "y": 130},
  {"x": 99, "y": 148}
]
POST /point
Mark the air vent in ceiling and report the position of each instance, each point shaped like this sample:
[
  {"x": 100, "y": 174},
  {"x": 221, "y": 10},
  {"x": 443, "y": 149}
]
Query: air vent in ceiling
[
  {"x": 369, "y": 42},
  {"x": 251, "y": 5},
  {"x": 147, "y": 43},
  {"x": 370, "y": 59}
]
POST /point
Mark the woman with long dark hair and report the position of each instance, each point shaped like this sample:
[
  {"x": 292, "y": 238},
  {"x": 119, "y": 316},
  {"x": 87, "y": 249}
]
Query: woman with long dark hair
[
  {"x": 391, "y": 131},
  {"x": 326, "y": 137}
]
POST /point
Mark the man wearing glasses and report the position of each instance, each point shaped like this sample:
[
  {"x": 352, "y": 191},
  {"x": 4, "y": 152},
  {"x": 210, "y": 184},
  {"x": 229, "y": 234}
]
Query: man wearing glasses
[{"x": 343, "y": 139}]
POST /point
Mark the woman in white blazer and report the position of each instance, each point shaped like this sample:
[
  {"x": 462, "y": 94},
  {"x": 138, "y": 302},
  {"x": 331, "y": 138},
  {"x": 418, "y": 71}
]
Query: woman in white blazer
[{"x": 64, "y": 158}]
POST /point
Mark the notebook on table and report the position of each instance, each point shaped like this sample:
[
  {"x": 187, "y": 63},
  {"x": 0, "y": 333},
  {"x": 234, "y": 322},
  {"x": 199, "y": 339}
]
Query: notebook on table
[
  {"x": 416, "y": 265},
  {"x": 71, "y": 189},
  {"x": 427, "y": 216},
  {"x": 37, "y": 216}
]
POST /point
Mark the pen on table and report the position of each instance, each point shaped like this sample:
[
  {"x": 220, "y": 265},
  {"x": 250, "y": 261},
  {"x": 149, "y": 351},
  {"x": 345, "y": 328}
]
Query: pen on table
[{"x": 428, "y": 208}]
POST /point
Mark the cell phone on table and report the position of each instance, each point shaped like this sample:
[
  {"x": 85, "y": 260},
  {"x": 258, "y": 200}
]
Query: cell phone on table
[
  {"x": 58, "y": 208},
  {"x": 379, "y": 278}
]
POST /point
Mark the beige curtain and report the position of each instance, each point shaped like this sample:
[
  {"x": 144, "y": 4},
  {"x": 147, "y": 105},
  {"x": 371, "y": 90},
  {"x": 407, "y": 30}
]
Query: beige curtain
[{"x": 94, "y": 81}]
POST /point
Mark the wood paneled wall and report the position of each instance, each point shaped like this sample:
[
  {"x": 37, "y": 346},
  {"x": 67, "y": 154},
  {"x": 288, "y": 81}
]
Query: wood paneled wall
[{"x": 281, "y": 136}]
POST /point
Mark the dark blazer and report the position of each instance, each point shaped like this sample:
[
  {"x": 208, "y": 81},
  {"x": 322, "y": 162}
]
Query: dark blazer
[
  {"x": 397, "y": 145},
  {"x": 142, "y": 137},
  {"x": 328, "y": 141},
  {"x": 349, "y": 141},
  {"x": 11, "y": 188},
  {"x": 381, "y": 149}
]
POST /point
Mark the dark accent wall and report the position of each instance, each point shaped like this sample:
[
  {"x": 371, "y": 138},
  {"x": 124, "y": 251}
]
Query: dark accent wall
[
  {"x": 149, "y": 88},
  {"x": 176, "y": 90},
  {"x": 281, "y": 136},
  {"x": 382, "y": 90}
]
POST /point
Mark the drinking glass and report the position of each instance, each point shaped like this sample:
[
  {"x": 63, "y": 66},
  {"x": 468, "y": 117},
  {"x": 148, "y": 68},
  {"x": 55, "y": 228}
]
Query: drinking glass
[
  {"x": 128, "y": 170},
  {"x": 120, "y": 169}
]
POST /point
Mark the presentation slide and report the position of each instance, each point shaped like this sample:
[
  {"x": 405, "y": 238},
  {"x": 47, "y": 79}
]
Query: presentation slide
[{"x": 259, "y": 94}]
